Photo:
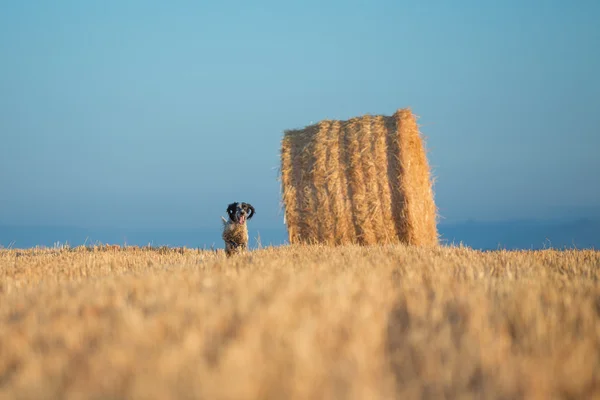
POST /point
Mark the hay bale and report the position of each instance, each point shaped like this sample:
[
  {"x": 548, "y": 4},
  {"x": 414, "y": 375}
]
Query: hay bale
[{"x": 365, "y": 180}]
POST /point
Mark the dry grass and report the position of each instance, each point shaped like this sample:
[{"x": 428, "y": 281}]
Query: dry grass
[
  {"x": 365, "y": 180},
  {"x": 351, "y": 322}
]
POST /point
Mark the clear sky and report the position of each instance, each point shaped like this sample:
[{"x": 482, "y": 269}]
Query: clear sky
[{"x": 158, "y": 114}]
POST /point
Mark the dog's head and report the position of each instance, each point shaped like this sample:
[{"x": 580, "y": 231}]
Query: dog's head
[{"x": 240, "y": 212}]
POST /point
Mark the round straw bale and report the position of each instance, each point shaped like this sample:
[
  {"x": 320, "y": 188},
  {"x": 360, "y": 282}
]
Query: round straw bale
[{"x": 365, "y": 180}]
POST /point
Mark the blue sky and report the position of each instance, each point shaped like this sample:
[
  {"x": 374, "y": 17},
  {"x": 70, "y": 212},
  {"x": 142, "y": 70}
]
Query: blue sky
[{"x": 158, "y": 114}]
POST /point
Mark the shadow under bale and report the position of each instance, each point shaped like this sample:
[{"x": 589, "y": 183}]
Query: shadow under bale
[{"x": 425, "y": 356}]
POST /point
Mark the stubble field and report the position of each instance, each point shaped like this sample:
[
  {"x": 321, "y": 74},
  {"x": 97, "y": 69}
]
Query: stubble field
[{"x": 299, "y": 322}]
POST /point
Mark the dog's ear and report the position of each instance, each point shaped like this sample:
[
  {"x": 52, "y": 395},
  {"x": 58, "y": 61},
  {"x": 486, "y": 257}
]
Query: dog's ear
[
  {"x": 231, "y": 211},
  {"x": 249, "y": 207}
]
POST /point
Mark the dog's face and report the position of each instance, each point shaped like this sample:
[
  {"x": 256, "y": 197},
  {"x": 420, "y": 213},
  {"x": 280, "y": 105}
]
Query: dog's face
[{"x": 240, "y": 212}]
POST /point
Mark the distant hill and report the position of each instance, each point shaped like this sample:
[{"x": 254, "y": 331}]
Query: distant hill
[
  {"x": 49, "y": 236},
  {"x": 525, "y": 234}
]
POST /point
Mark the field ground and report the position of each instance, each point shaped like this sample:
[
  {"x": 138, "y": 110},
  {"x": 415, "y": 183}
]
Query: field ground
[{"x": 299, "y": 322}]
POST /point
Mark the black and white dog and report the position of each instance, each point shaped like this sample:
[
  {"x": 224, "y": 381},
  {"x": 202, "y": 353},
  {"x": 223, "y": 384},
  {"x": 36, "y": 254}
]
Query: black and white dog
[{"x": 235, "y": 231}]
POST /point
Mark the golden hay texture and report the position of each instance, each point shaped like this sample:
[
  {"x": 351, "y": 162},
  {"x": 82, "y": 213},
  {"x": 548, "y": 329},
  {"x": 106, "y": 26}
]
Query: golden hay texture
[
  {"x": 299, "y": 322},
  {"x": 365, "y": 181}
]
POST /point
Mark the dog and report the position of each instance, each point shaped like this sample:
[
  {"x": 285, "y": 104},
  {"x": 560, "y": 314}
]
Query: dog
[{"x": 235, "y": 231}]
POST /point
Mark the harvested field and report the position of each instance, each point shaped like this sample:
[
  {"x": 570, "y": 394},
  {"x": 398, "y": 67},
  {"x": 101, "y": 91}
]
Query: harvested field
[
  {"x": 365, "y": 181},
  {"x": 298, "y": 322}
]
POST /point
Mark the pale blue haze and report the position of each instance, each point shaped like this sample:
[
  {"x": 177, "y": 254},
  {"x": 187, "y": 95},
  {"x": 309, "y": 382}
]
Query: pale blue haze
[{"x": 144, "y": 114}]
